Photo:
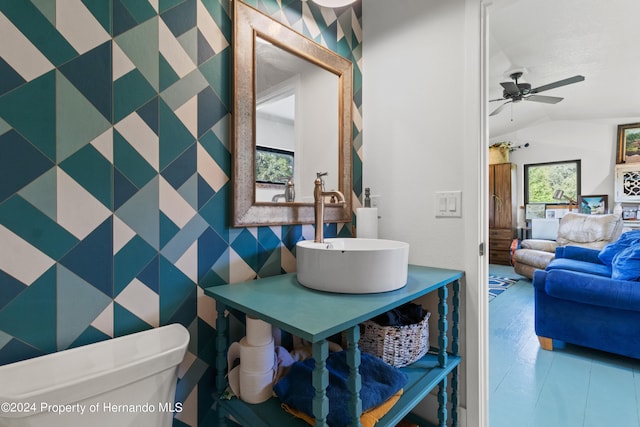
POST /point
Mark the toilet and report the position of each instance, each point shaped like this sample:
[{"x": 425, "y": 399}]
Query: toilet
[{"x": 125, "y": 381}]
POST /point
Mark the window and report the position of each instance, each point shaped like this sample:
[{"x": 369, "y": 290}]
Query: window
[
  {"x": 273, "y": 166},
  {"x": 541, "y": 180}
]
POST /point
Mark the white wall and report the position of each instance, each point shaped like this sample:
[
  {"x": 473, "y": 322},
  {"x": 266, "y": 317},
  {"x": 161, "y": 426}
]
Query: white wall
[
  {"x": 593, "y": 142},
  {"x": 421, "y": 134},
  {"x": 317, "y": 131},
  {"x": 413, "y": 138}
]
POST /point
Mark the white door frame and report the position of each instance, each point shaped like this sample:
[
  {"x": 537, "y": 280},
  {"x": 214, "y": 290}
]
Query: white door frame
[{"x": 476, "y": 412}]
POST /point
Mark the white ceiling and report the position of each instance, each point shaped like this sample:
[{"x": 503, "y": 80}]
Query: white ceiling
[{"x": 556, "y": 39}]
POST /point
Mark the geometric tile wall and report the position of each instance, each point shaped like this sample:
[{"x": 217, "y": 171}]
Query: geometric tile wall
[{"x": 115, "y": 168}]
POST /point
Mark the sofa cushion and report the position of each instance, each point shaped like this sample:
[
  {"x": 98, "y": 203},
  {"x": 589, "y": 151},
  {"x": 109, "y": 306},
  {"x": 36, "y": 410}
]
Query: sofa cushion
[
  {"x": 593, "y": 231},
  {"x": 589, "y": 289},
  {"x": 579, "y": 266},
  {"x": 579, "y": 253},
  {"x": 626, "y": 264},
  {"x": 626, "y": 239}
]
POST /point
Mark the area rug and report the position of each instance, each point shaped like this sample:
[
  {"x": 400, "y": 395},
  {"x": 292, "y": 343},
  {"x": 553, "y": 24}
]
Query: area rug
[{"x": 498, "y": 285}]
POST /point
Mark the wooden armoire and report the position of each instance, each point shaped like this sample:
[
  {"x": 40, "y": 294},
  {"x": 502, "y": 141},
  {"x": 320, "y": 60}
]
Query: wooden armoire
[{"x": 502, "y": 212}]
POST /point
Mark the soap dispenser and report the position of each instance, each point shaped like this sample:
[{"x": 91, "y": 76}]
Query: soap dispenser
[{"x": 290, "y": 191}]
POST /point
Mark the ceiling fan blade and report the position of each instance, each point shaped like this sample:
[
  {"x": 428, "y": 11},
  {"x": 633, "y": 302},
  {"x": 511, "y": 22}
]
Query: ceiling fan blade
[
  {"x": 511, "y": 88},
  {"x": 497, "y": 99},
  {"x": 570, "y": 80},
  {"x": 497, "y": 110},
  {"x": 545, "y": 99}
]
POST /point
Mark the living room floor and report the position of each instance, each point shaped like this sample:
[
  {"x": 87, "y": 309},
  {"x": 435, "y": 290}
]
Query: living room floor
[{"x": 570, "y": 386}]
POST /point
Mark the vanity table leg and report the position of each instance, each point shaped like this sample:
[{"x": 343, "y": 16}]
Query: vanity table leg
[
  {"x": 320, "y": 379},
  {"x": 442, "y": 403},
  {"x": 443, "y": 325},
  {"x": 443, "y": 341},
  {"x": 222, "y": 326},
  {"x": 355, "y": 382},
  {"x": 455, "y": 315}
]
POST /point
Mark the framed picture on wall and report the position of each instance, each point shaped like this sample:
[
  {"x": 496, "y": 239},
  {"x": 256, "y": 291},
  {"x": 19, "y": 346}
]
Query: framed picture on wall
[
  {"x": 593, "y": 205},
  {"x": 534, "y": 210},
  {"x": 628, "y": 149}
]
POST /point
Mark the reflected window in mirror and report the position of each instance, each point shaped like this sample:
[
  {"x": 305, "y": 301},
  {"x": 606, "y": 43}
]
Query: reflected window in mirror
[{"x": 274, "y": 171}]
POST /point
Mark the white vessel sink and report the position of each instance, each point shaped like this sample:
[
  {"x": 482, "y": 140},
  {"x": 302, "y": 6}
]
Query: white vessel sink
[{"x": 353, "y": 266}]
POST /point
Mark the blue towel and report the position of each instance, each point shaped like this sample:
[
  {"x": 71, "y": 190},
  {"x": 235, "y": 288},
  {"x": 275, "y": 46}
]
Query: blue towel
[{"x": 380, "y": 381}]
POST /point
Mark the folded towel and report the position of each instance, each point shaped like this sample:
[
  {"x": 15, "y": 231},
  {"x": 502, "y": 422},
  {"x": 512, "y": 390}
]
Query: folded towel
[
  {"x": 367, "y": 419},
  {"x": 379, "y": 381}
]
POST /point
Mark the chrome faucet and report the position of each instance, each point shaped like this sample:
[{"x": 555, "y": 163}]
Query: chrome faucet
[{"x": 318, "y": 199}]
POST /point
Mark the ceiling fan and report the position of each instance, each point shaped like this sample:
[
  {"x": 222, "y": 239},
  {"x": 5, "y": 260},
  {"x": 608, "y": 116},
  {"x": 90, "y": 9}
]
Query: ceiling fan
[{"x": 516, "y": 92}]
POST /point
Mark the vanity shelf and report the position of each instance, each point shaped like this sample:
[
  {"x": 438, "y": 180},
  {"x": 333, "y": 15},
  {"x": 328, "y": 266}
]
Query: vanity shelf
[{"x": 316, "y": 316}]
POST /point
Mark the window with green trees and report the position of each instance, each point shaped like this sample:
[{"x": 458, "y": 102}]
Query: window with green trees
[
  {"x": 273, "y": 166},
  {"x": 541, "y": 180}
]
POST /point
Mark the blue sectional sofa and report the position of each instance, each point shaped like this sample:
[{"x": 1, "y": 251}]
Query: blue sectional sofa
[{"x": 591, "y": 297}]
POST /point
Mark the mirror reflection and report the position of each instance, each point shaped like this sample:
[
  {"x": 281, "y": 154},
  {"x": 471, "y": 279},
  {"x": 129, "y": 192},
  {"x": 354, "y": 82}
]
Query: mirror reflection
[{"x": 296, "y": 125}]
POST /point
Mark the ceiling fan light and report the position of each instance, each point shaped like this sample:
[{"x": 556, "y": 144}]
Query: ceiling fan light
[{"x": 333, "y": 3}]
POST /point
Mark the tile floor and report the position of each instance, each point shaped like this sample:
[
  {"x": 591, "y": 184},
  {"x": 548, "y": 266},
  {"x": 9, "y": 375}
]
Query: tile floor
[{"x": 569, "y": 387}]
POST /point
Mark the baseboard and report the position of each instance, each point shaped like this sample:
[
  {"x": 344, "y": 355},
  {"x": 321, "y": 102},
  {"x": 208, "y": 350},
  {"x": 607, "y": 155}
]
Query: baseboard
[{"x": 462, "y": 417}]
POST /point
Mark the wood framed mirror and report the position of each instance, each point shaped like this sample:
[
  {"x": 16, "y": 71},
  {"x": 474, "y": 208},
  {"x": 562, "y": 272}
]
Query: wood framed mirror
[{"x": 272, "y": 62}]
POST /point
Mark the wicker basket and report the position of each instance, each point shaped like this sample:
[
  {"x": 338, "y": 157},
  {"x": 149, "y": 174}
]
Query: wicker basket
[{"x": 396, "y": 345}]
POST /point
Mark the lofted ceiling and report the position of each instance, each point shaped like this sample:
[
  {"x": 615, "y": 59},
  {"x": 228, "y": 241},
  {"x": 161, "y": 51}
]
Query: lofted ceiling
[{"x": 552, "y": 40}]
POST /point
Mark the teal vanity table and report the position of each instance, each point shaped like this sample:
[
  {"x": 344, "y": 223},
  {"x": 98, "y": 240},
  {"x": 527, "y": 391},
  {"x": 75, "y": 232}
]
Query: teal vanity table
[{"x": 316, "y": 316}]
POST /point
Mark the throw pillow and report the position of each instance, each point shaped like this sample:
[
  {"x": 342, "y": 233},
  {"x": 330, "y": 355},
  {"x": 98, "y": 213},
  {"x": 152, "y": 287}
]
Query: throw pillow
[
  {"x": 626, "y": 264},
  {"x": 626, "y": 239}
]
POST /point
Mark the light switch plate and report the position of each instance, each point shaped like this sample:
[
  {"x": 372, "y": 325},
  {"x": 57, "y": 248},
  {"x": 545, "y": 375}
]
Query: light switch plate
[{"x": 448, "y": 204}]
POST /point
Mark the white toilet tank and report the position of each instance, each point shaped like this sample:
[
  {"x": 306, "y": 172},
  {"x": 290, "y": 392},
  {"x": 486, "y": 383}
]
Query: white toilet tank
[{"x": 125, "y": 381}]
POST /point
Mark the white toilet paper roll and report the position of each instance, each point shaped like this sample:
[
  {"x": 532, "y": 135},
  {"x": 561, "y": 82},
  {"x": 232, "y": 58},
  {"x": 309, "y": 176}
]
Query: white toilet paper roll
[
  {"x": 367, "y": 223},
  {"x": 255, "y": 387},
  {"x": 258, "y": 331},
  {"x": 252, "y": 358}
]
